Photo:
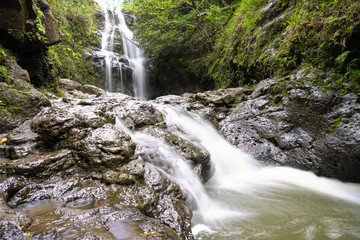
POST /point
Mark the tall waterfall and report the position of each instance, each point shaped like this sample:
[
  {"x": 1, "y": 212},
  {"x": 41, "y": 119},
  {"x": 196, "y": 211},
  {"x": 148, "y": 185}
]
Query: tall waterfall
[{"x": 117, "y": 66}]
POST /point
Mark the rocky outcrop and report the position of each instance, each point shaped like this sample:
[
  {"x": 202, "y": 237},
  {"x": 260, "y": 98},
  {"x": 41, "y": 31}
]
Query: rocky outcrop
[
  {"x": 17, "y": 17},
  {"x": 76, "y": 161},
  {"x": 302, "y": 126},
  {"x": 305, "y": 127},
  {"x": 20, "y": 101},
  {"x": 21, "y": 35},
  {"x": 51, "y": 28}
]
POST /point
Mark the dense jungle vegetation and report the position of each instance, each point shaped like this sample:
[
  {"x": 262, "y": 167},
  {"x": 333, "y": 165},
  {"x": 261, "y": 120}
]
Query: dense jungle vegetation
[
  {"x": 78, "y": 25},
  {"x": 234, "y": 43}
]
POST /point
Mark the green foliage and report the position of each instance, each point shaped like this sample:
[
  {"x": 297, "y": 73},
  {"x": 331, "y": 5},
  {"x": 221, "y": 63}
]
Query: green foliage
[
  {"x": 77, "y": 26},
  {"x": 305, "y": 32},
  {"x": 178, "y": 32},
  {"x": 4, "y": 77},
  {"x": 242, "y": 42},
  {"x": 336, "y": 123}
]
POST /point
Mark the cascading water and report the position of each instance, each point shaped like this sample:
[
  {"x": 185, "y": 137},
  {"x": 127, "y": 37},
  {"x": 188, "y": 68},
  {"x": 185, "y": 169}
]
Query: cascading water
[
  {"x": 116, "y": 81},
  {"x": 248, "y": 201}
]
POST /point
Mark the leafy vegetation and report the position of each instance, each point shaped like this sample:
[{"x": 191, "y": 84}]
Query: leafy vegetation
[
  {"x": 179, "y": 32},
  {"x": 242, "y": 42},
  {"x": 78, "y": 30},
  {"x": 4, "y": 77}
]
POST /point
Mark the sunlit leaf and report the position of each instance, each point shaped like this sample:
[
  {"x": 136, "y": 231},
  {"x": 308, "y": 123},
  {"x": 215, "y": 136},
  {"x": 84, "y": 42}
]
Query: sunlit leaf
[
  {"x": 155, "y": 234},
  {"x": 28, "y": 234},
  {"x": 3, "y": 140}
]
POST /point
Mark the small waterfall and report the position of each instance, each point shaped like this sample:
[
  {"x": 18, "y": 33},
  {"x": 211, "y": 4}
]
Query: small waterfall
[
  {"x": 265, "y": 202},
  {"x": 158, "y": 153},
  {"x": 115, "y": 21}
]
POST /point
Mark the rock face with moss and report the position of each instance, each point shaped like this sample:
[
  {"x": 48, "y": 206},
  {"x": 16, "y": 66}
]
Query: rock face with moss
[
  {"x": 75, "y": 57},
  {"x": 19, "y": 101},
  {"x": 225, "y": 44},
  {"x": 304, "y": 127},
  {"x": 24, "y": 35}
]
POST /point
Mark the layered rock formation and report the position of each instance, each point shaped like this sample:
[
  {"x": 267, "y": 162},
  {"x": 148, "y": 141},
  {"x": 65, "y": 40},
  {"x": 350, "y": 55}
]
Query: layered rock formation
[{"x": 74, "y": 155}]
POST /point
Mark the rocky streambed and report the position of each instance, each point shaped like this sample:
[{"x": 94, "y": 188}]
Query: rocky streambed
[
  {"x": 75, "y": 171},
  {"x": 70, "y": 172}
]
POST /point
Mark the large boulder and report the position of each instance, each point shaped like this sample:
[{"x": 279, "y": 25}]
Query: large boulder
[
  {"x": 49, "y": 22},
  {"x": 308, "y": 128},
  {"x": 16, "y": 16},
  {"x": 20, "y": 101}
]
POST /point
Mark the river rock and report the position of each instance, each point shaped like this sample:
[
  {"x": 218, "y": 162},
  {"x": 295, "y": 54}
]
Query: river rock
[
  {"x": 56, "y": 124},
  {"x": 55, "y": 212},
  {"x": 40, "y": 165},
  {"x": 106, "y": 146},
  {"x": 189, "y": 150},
  {"x": 138, "y": 114}
]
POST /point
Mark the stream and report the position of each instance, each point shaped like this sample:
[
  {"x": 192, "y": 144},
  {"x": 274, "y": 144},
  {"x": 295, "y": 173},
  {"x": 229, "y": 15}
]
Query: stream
[{"x": 250, "y": 201}]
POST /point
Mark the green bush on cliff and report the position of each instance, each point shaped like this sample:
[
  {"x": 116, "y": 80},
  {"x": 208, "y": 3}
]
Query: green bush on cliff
[
  {"x": 4, "y": 77},
  {"x": 178, "y": 32},
  {"x": 78, "y": 26},
  {"x": 242, "y": 42}
]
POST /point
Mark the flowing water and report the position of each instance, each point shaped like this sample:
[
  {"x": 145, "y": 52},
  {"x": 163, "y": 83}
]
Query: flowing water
[
  {"x": 250, "y": 201},
  {"x": 117, "y": 81}
]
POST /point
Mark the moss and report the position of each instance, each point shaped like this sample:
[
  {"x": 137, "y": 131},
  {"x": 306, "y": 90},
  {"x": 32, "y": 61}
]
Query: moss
[
  {"x": 257, "y": 44},
  {"x": 336, "y": 123},
  {"x": 78, "y": 26}
]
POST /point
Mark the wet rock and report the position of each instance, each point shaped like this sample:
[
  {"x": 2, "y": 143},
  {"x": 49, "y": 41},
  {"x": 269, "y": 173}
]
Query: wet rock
[
  {"x": 56, "y": 124},
  {"x": 161, "y": 184},
  {"x": 212, "y": 105},
  {"x": 12, "y": 223},
  {"x": 170, "y": 209},
  {"x": 69, "y": 85},
  {"x": 40, "y": 166},
  {"x": 118, "y": 177},
  {"x": 51, "y": 28},
  {"x": 137, "y": 114},
  {"x": 171, "y": 212},
  {"x": 90, "y": 89},
  {"x": 89, "y": 160},
  {"x": 189, "y": 150},
  {"x": 20, "y": 142},
  {"x": 309, "y": 128},
  {"x": 105, "y": 147},
  {"x": 135, "y": 167},
  {"x": 20, "y": 100}
]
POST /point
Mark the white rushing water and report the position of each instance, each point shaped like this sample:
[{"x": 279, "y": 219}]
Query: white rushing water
[
  {"x": 114, "y": 20},
  {"x": 250, "y": 201}
]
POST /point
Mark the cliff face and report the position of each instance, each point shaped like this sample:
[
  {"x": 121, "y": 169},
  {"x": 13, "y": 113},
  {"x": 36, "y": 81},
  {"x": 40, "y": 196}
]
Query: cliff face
[{"x": 26, "y": 30}]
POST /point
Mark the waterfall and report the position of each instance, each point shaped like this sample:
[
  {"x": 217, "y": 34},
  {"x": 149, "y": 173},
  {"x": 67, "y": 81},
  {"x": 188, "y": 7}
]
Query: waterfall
[
  {"x": 265, "y": 202},
  {"x": 115, "y": 21},
  {"x": 158, "y": 153}
]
